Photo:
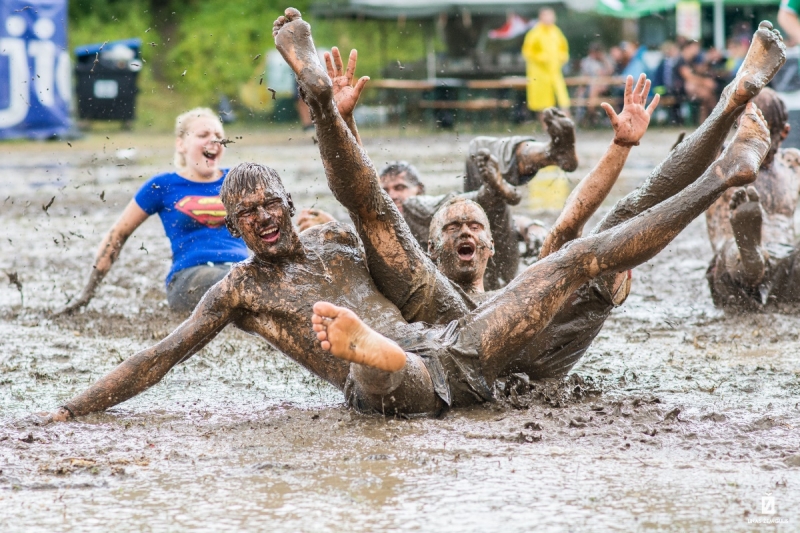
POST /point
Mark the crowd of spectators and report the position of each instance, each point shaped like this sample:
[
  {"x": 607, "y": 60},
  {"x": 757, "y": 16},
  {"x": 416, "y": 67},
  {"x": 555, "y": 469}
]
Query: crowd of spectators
[{"x": 691, "y": 77}]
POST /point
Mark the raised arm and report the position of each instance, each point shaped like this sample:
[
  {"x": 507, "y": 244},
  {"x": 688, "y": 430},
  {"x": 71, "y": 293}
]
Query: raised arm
[
  {"x": 345, "y": 92},
  {"x": 131, "y": 218},
  {"x": 629, "y": 127},
  {"x": 146, "y": 368}
]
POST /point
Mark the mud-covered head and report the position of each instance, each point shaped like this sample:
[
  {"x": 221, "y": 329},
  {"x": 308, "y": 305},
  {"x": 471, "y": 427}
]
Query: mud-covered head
[
  {"x": 460, "y": 242},
  {"x": 774, "y": 110},
  {"x": 259, "y": 210},
  {"x": 401, "y": 181}
]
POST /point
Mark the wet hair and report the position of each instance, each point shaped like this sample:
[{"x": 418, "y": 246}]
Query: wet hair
[
  {"x": 396, "y": 168},
  {"x": 249, "y": 177},
  {"x": 774, "y": 110},
  {"x": 182, "y": 123},
  {"x": 438, "y": 220}
]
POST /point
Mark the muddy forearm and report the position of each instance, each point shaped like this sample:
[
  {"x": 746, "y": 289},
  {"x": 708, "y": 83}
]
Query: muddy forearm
[
  {"x": 132, "y": 377},
  {"x": 351, "y": 176},
  {"x": 351, "y": 125}
]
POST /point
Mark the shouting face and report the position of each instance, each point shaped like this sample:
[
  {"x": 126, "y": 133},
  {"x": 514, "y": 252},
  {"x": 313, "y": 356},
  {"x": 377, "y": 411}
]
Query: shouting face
[
  {"x": 201, "y": 148},
  {"x": 263, "y": 218},
  {"x": 461, "y": 243}
]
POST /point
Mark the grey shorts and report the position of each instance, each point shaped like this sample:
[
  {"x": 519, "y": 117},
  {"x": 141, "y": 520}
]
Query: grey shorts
[
  {"x": 452, "y": 361},
  {"x": 188, "y": 286}
]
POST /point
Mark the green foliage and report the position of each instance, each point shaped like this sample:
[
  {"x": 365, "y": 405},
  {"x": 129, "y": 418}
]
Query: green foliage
[{"x": 197, "y": 50}]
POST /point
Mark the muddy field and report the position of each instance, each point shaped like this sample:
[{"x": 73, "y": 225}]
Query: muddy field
[{"x": 678, "y": 418}]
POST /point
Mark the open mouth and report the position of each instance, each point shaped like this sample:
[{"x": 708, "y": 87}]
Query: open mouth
[
  {"x": 466, "y": 251},
  {"x": 270, "y": 235},
  {"x": 210, "y": 155}
]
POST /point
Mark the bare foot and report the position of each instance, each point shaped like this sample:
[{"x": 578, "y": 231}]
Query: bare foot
[
  {"x": 489, "y": 169},
  {"x": 765, "y": 57},
  {"x": 293, "y": 40},
  {"x": 561, "y": 130},
  {"x": 344, "y": 335},
  {"x": 742, "y": 158},
  {"x": 746, "y": 218}
]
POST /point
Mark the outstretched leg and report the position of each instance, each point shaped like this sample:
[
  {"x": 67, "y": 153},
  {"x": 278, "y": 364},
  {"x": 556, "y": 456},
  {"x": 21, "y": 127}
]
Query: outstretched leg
[
  {"x": 506, "y": 323},
  {"x": 690, "y": 158},
  {"x": 398, "y": 265},
  {"x": 747, "y": 258}
]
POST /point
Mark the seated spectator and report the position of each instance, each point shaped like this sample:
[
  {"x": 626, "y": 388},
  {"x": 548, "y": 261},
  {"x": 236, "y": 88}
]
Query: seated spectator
[
  {"x": 596, "y": 65},
  {"x": 693, "y": 80},
  {"x": 664, "y": 80}
]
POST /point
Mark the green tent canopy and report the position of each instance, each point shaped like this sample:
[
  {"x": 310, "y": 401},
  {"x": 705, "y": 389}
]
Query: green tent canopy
[{"x": 640, "y": 8}]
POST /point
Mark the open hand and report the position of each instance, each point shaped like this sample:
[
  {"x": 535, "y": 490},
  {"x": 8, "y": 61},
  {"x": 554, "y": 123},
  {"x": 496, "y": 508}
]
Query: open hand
[
  {"x": 345, "y": 93},
  {"x": 309, "y": 218},
  {"x": 630, "y": 125}
]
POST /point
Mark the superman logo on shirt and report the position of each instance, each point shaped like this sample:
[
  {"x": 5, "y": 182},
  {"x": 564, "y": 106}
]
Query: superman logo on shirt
[{"x": 207, "y": 210}]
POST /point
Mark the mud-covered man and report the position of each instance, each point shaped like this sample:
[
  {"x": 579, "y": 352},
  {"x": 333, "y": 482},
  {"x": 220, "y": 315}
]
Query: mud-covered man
[
  {"x": 396, "y": 367},
  {"x": 752, "y": 229}
]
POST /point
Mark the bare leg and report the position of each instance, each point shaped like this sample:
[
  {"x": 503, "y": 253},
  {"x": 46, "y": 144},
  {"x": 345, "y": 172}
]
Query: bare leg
[
  {"x": 398, "y": 265},
  {"x": 690, "y": 158},
  {"x": 746, "y": 262},
  {"x": 506, "y": 323}
]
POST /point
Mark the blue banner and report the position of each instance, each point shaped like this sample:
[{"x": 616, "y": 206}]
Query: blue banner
[{"x": 35, "y": 71}]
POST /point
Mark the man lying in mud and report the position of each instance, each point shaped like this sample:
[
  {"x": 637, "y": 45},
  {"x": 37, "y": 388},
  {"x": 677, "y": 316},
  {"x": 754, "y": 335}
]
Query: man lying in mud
[
  {"x": 403, "y": 274},
  {"x": 520, "y": 158},
  {"x": 752, "y": 229},
  {"x": 382, "y": 363}
]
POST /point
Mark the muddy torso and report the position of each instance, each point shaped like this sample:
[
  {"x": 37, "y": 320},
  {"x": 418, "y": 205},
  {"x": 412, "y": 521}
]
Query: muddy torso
[
  {"x": 778, "y": 187},
  {"x": 276, "y": 299}
]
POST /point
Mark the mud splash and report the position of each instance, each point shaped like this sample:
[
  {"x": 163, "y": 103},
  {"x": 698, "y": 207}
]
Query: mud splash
[{"x": 683, "y": 418}]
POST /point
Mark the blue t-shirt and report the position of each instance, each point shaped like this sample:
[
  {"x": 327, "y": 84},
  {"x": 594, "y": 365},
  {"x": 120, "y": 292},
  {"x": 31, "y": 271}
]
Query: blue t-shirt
[{"x": 194, "y": 220}]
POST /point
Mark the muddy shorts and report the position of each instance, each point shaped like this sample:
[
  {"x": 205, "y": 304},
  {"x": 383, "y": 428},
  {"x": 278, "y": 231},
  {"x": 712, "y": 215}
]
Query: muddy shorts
[
  {"x": 505, "y": 150},
  {"x": 452, "y": 360},
  {"x": 779, "y": 285},
  {"x": 188, "y": 286},
  {"x": 557, "y": 348}
]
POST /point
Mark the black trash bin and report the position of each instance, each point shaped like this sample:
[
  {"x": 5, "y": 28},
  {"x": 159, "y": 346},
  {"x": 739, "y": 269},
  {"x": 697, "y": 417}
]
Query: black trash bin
[{"x": 106, "y": 76}]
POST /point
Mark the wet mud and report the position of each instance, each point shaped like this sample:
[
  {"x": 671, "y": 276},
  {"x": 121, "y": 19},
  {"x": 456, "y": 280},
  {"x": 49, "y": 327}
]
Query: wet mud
[{"x": 679, "y": 417}]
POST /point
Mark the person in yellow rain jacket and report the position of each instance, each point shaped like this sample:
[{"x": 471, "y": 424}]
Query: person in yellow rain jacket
[{"x": 545, "y": 51}]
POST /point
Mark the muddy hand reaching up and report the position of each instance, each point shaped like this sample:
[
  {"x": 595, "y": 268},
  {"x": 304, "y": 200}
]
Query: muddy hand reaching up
[
  {"x": 345, "y": 92},
  {"x": 631, "y": 124}
]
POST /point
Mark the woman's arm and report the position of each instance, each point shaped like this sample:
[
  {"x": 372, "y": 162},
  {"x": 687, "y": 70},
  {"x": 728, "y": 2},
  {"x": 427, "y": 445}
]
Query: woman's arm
[
  {"x": 629, "y": 127},
  {"x": 130, "y": 219}
]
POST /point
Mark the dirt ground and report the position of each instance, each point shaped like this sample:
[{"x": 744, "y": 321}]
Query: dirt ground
[{"x": 678, "y": 418}]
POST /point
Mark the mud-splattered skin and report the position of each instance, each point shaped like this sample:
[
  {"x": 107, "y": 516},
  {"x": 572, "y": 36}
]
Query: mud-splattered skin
[
  {"x": 461, "y": 243},
  {"x": 752, "y": 230},
  {"x": 271, "y": 297},
  {"x": 502, "y": 326},
  {"x": 690, "y": 158},
  {"x": 778, "y": 186}
]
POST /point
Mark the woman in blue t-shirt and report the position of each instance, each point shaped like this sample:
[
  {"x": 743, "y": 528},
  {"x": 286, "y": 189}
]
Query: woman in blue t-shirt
[{"x": 187, "y": 201}]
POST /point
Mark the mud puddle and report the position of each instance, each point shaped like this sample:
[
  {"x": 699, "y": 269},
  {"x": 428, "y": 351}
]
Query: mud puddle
[{"x": 678, "y": 418}]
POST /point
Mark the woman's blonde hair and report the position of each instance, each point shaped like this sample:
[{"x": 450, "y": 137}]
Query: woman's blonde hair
[{"x": 182, "y": 128}]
